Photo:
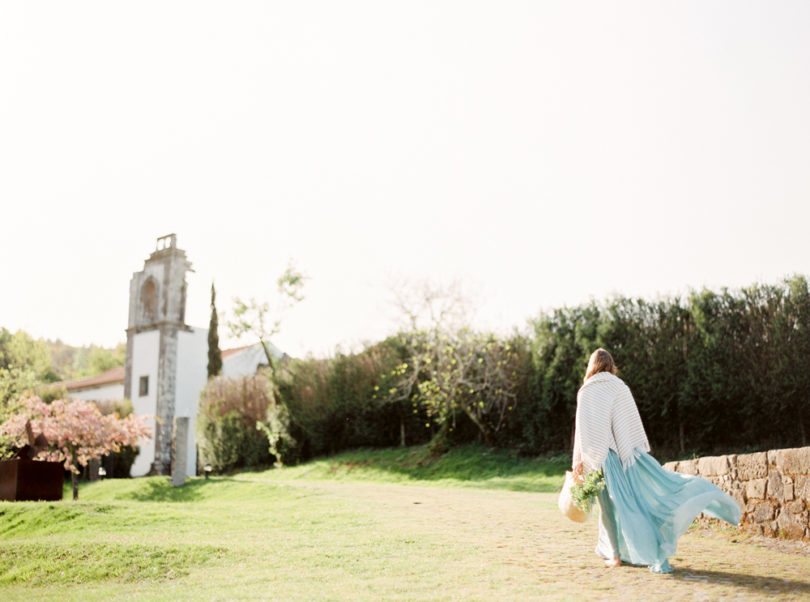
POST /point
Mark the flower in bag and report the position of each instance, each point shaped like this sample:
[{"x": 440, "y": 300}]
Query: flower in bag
[{"x": 583, "y": 494}]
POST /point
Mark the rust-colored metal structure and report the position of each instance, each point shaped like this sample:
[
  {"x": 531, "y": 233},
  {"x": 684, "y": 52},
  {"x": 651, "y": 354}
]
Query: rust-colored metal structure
[{"x": 24, "y": 479}]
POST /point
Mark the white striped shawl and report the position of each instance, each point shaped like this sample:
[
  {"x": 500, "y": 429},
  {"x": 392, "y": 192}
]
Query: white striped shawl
[{"x": 607, "y": 418}]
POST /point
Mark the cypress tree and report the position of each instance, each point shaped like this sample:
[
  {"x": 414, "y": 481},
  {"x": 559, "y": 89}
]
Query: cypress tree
[{"x": 214, "y": 354}]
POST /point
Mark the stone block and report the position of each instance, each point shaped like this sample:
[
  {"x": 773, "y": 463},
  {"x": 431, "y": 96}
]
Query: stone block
[
  {"x": 773, "y": 487},
  {"x": 776, "y": 488},
  {"x": 752, "y": 466},
  {"x": 801, "y": 488},
  {"x": 179, "y": 450},
  {"x": 732, "y": 467},
  {"x": 793, "y": 461},
  {"x": 787, "y": 485},
  {"x": 756, "y": 489},
  {"x": 671, "y": 466},
  {"x": 791, "y": 525},
  {"x": 712, "y": 466},
  {"x": 763, "y": 513}
]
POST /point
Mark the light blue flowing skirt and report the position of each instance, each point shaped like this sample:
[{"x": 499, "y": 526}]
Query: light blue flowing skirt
[{"x": 644, "y": 510}]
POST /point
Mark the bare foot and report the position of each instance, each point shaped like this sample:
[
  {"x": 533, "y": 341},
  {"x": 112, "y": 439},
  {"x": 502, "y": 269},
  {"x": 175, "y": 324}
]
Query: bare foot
[{"x": 613, "y": 563}]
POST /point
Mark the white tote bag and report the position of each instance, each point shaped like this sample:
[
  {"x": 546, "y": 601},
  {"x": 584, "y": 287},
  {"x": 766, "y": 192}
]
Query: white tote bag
[{"x": 566, "y": 504}]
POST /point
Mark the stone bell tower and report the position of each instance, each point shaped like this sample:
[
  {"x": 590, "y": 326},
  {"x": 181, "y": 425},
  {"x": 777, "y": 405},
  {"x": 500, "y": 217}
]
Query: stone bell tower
[{"x": 157, "y": 308}]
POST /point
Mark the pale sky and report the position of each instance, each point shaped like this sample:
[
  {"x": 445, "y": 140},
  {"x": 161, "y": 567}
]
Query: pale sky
[{"x": 543, "y": 153}]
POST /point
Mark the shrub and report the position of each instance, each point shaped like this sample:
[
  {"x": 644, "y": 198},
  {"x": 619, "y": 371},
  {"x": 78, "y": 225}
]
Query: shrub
[
  {"x": 339, "y": 403},
  {"x": 229, "y": 412},
  {"x": 277, "y": 427},
  {"x": 118, "y": 464}
]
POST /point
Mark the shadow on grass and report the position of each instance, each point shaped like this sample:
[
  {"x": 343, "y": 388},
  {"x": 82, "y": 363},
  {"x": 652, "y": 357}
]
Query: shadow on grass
[
  {"x": 765, "y": 585},
  {"x": 155, "y": 489},
  {"x": 474, "y": 464},
  {"x": 161, "y": 490}
]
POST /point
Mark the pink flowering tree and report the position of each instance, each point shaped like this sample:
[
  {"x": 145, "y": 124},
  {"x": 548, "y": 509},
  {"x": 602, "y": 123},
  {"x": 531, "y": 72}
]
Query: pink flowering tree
[{"x": 76, "y": 431}]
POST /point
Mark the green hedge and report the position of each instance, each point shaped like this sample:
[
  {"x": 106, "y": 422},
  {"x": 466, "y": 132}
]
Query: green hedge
[
  {"x": 338, "y": 403},
  {"x": 711, "y": 372}
]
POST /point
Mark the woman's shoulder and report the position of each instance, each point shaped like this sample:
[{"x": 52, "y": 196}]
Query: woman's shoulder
[
  {"x": 602, "y": 386},
  {"x": 603, "y": 379}
]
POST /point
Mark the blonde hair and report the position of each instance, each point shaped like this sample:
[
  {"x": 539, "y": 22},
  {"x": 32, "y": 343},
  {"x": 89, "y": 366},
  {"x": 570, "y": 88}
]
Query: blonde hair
[{"x": 600, "y": 361}]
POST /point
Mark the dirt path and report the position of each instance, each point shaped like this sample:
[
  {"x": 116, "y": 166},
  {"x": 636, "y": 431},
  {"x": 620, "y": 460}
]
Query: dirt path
[{"x": 524, "y": 534}]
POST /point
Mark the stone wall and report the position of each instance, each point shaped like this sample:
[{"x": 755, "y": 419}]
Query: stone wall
[{"x": 773, "y": 488}]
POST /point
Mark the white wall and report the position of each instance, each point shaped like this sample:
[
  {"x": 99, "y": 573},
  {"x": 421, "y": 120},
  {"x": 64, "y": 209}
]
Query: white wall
[
  {"x": 108, "y": 392},
  {"x": 245, "y": 362},
  {"x": 192, "y": 373},
  {"x": 145, "y": 351}
]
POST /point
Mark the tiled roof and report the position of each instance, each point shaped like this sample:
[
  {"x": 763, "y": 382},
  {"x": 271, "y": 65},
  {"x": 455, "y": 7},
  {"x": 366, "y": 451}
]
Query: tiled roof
[
  {"x": 234, "y": 351},
  {"x": 116, "y": 375},
  {"x": 110, "y": 377}
]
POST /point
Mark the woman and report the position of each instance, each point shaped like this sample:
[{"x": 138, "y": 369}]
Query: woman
[{"x": 644, "y": 508}]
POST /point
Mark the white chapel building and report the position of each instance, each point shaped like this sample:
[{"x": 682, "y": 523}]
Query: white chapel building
[{"x": 166, "y": 359}]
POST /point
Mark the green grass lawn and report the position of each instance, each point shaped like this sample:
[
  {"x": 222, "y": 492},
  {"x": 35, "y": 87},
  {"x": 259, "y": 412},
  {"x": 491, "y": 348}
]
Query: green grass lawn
[
  {"x": 464, "y": 466},
  {"x": 392, "y": 524}
]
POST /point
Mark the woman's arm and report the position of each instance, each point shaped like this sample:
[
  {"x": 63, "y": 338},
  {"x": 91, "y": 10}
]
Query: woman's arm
[
  {"x": 576, "y": 462},
  {"x": 593, "y": 423}
]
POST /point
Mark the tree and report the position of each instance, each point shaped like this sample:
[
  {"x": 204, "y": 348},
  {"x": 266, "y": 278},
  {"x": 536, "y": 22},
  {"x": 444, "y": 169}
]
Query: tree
[
  {"x": 101, "y": 359},
  {"x": 254, "y": 318},
  {"x": 451, "y": 368},
  {"x": 24, "y": 364},
  {"x": 22, "y": 350},
  {"x": 214, "y": 353},
  {"x": 463, "y": 371},
  {"x": 76, "y": 431}
]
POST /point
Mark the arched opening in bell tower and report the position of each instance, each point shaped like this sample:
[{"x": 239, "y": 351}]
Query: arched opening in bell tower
[{"x": 149, "y": 301}]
